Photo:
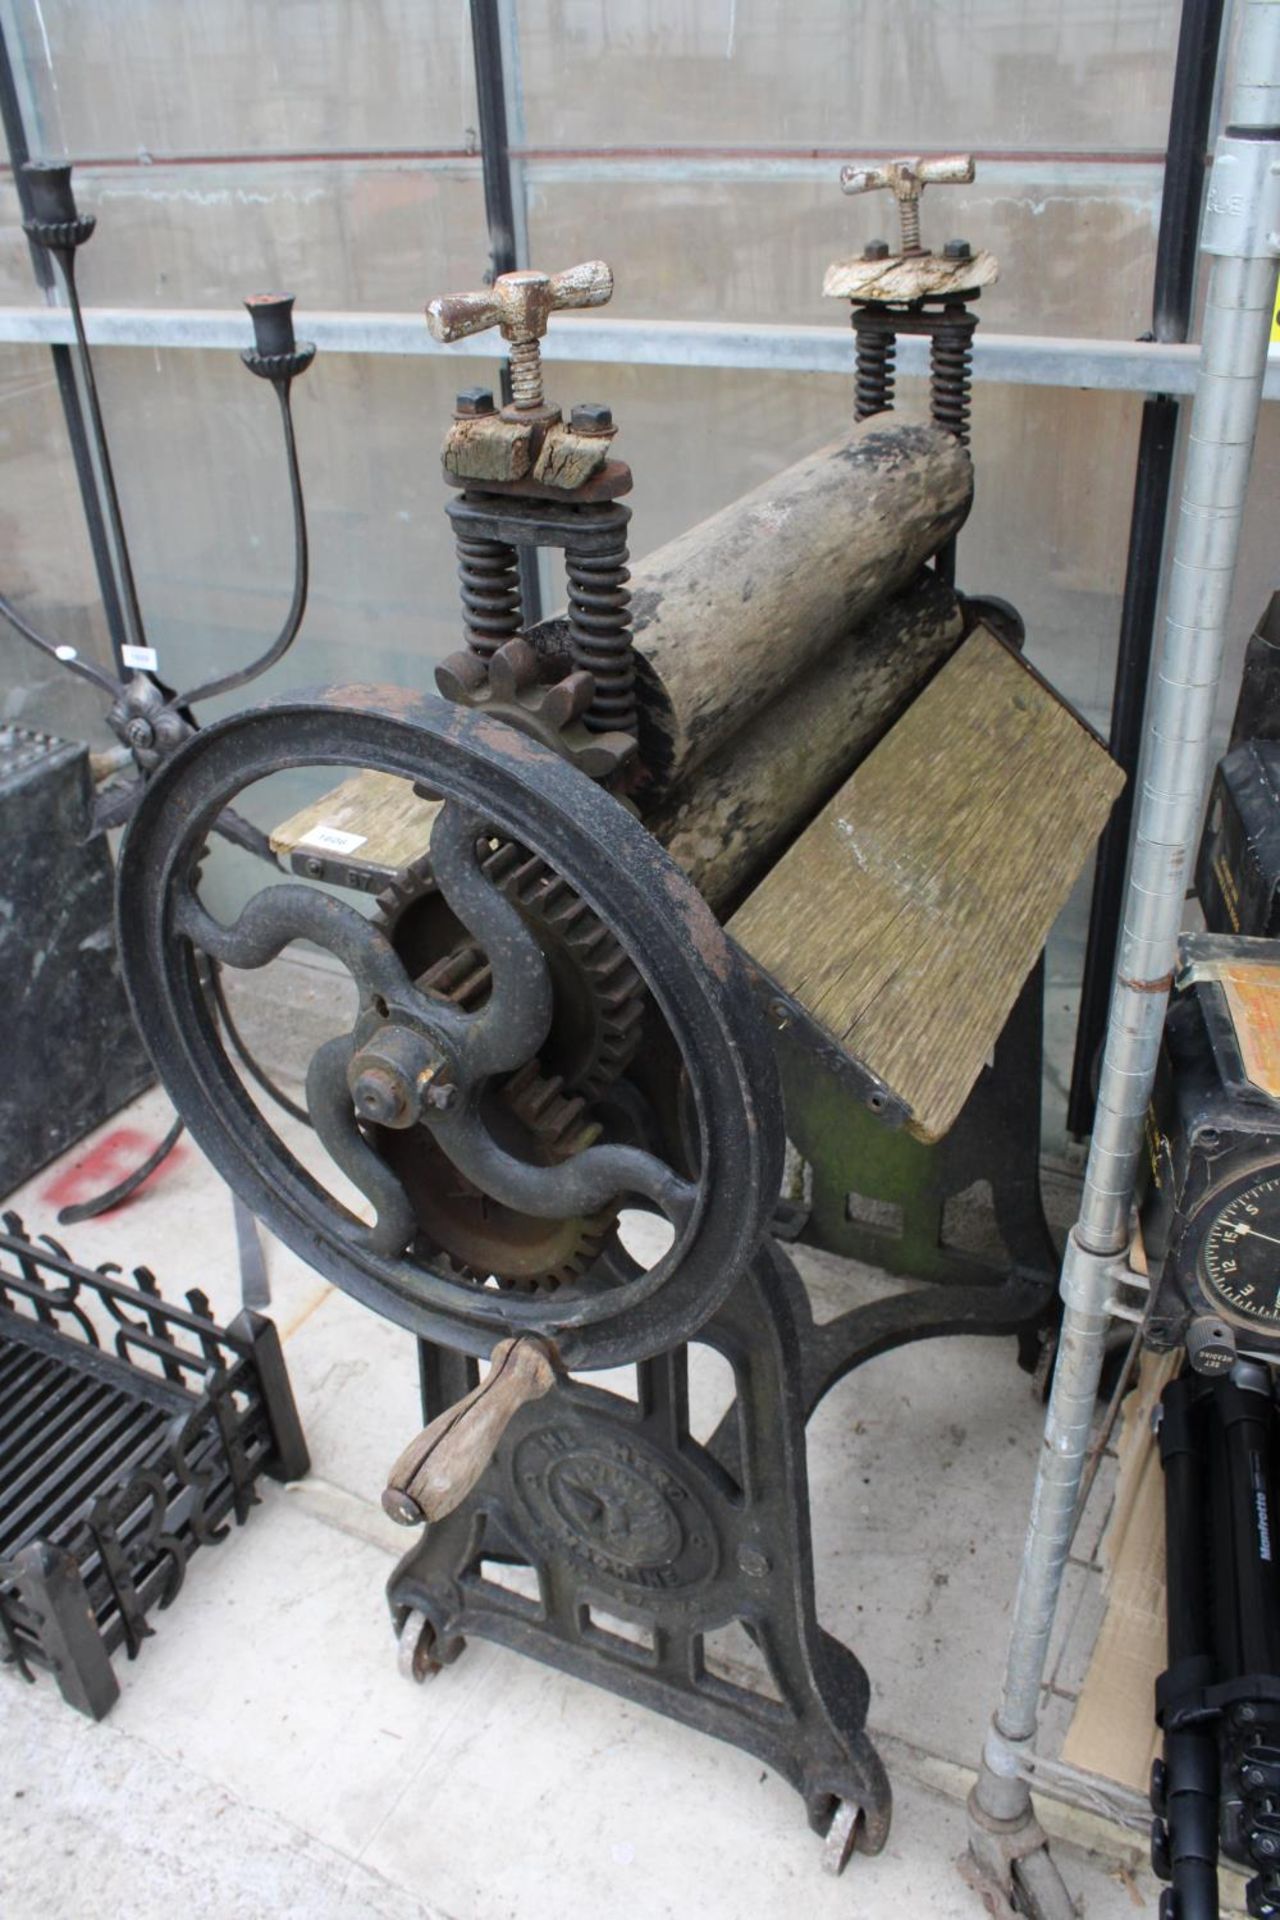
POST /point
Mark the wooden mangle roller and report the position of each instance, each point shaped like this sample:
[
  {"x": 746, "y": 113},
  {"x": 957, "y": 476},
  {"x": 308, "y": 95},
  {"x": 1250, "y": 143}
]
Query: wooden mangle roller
[
  {"x": 775, "y": 643},
  {"x": 728, "y": 616}
]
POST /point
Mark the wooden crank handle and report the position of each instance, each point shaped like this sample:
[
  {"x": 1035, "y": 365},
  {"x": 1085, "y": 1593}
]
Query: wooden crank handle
[{"x": 439, "y": 1467}]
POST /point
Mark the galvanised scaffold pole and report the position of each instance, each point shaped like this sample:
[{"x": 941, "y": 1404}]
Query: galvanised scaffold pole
[{"x": 1239, "y": 236}]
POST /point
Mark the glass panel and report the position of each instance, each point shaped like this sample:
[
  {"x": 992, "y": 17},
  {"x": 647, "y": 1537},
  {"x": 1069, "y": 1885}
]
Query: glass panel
[
  {"x": 202, "y": 480},
  {"x": 237, "y": 77},
  {"x": 1068, "y": 75},
  {"x": 746, "y": 243},
  {"x": 385, "y": 237},
  {"x": 48, "y": 569}
]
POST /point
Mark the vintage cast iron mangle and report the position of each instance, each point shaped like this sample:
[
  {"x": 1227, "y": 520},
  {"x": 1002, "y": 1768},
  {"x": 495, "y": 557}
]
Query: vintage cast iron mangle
[{"x": 775, "y": 793}]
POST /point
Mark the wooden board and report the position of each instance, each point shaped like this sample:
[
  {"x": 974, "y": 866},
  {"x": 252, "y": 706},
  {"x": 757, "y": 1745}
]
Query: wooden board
[
  {"x": 907, "y": 916},
  {"x": 380, "y": 813}
]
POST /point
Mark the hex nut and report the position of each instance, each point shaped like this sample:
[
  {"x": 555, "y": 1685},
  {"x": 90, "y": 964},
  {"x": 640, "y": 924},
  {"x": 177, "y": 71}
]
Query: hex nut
[
  {"x": 591, "y": 417},
  {"x": 472, "y": 402}
]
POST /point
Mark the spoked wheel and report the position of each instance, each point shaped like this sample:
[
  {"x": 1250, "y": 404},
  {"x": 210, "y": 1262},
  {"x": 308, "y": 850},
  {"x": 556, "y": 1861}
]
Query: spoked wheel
[{"x": 438, "y": 1104}]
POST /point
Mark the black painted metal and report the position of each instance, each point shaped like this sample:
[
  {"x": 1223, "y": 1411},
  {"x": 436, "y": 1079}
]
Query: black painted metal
[
  {"x": 1257, "y": 714},
  {"x": 497, "y": 781},
  {"x": 641, "y": 1544},
  {"x": 1218, "y": 1702},
  {"x": 948, "y": 323},
  {"x": 1194, "y": 80},
  {"x": 115, "y": 1196},
  {"x": 68, "y": 393},
  {"x": 495, "y": 534},
  {"x": 147, "y": 716},
  {"x": 61, "y": 231},
  {"x": 499, "y": 210},
  {"x": 117, "y": 1464},
  {"x": 280, "y": 359},
  {"x": 72, "y": 1057}
]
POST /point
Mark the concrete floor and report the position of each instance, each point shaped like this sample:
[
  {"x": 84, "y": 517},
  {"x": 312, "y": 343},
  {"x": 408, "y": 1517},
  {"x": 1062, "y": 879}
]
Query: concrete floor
[{"x": 265, "y": 1756}]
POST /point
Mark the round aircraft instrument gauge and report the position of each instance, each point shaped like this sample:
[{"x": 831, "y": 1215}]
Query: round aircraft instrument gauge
[{"x": 1236, "y": 1240}]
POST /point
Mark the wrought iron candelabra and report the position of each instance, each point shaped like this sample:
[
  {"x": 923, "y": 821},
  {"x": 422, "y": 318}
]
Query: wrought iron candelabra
[{"x": 148, "y": 717}]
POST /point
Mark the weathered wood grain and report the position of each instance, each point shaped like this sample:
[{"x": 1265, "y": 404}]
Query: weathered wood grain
[
  {"x": 727, "y": 615},
  {"x": 908, "y": 915},
  {"x": 439, "y": 1467},
  {"x": 739, "y": 810},
  {"x": 733, "y": 816},
  {"x": 392, "y": 821}
]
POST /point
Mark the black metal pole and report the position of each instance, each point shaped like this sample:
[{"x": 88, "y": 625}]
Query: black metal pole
[
  {"x": 64, "y": 372},
  {"x": 1186, "y": 160},
  {"x": 499, "y": 209},
  {"x": 97, "y": 427}
]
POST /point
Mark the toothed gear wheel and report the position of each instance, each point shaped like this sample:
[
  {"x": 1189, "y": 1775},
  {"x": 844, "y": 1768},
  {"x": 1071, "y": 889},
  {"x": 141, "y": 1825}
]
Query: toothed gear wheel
[
  {"x": 598, "y": 993},
  {"x": 532, "y": 1117}
]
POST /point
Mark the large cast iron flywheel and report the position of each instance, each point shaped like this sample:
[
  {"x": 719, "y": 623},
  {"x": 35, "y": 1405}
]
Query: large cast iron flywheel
[{"x": 415, "y": 1062}]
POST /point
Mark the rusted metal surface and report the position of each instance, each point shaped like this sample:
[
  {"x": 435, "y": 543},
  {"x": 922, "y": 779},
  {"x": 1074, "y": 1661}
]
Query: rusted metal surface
[
  {"x": 906, "y": 179},
  {"x": 914, "y": 292},
  {"x": 913, "y": 273},
  {"x": 521, "y": 458},
  {"x": 543, "y": 1112},
  {"x": 526, "y": 448},
  {"x": 520, "y": 305}
]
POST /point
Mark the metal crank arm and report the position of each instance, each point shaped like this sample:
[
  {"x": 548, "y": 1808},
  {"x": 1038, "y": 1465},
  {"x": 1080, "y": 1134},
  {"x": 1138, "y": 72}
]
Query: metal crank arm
[
  {"x": 404, "y": 1044},
  {"x": 587, "y": 1182},
  {"x": 515, "y": 1020},
  {"x": 288, "y": 912},
  {"x": 333, "y": 1117}
]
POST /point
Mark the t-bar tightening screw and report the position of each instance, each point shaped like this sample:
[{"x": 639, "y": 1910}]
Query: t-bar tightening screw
[
  {"x": 907, "y": 179},
  {"x": 520, "y": 304}
]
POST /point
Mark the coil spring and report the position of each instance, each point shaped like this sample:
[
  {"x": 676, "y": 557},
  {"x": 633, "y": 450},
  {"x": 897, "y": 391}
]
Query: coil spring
[
  {"x": 490, "y": 592},
  {"x": 874, "y": 371},
  {"x": 600, "y": 635},
  {"x": 950, "y": 364}
]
